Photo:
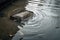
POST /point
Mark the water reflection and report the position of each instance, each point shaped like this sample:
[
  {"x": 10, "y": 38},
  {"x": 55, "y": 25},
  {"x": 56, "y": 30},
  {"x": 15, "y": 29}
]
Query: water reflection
[{"x": 42, "y": 25}]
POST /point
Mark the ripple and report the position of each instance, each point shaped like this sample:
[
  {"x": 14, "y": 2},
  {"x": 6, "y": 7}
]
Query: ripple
[{"x": 41, "y": 9}]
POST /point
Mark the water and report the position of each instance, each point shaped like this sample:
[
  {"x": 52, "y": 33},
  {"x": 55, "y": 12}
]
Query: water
[{"x": 45, "y": 24}]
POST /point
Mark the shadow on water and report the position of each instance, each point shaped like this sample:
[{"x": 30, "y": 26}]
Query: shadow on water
[
  {"x": 45, "y": 21},
  {"x": 8, "y": 27}
]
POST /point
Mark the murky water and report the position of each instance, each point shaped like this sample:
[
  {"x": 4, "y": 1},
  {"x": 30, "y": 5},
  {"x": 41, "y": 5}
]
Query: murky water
[{"x": 45, "y": 24}]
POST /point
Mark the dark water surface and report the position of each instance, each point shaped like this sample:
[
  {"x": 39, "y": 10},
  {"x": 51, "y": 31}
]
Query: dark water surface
[{"x": 45, "y": 24}]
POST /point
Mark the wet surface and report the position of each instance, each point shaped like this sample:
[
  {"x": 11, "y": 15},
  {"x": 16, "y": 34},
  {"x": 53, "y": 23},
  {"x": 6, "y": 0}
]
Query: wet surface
[
  {"x": 45, "y": 24},
  {"x": 8, "y": 28}
]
